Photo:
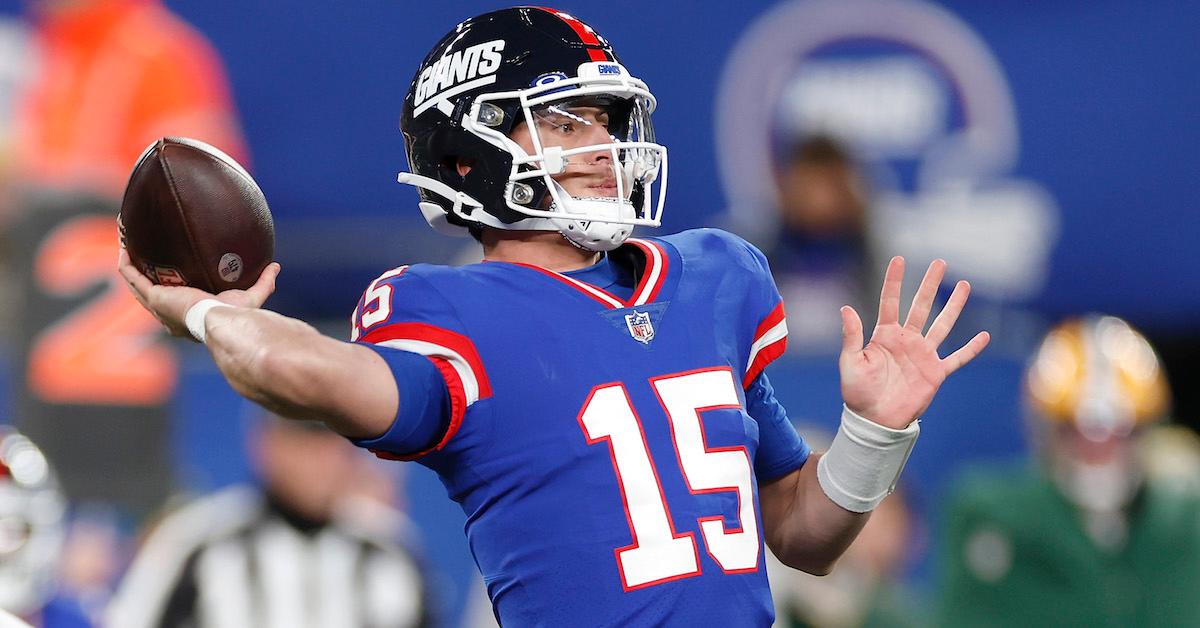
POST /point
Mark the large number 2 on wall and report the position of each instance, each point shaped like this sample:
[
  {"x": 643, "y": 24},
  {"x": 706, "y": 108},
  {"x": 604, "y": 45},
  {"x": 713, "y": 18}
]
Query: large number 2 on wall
[
  {"x": 104, "y": 352},
  {"x": 658, "y": 553}
]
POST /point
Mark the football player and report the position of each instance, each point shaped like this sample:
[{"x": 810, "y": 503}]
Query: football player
[
  {"x": 32, "y": 531},
  {"x": 595, "y": 402},
  {"x": 1115, "y": 541}
]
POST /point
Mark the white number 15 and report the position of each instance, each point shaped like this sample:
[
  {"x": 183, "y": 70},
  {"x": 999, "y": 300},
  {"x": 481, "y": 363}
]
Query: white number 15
[{"x": 658, "y": 553}]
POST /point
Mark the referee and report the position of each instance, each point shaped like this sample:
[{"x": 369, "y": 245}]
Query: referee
[{"x": 301, "y": 552}]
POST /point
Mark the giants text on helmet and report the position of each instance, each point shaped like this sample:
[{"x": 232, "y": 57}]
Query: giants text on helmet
[{"x": 462, "y": 65}]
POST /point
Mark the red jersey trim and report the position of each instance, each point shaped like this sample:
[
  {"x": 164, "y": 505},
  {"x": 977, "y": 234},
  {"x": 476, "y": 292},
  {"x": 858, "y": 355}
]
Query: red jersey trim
[
  {"x": 655, "y": 274},
  {"x": 770, "y": 341},
  {"x": 651, "y": 283},
  {"x": 433, "y": 341}
]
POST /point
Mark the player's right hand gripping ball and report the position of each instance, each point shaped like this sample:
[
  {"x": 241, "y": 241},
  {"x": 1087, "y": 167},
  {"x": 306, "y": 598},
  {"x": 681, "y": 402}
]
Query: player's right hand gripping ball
[{"x": 192, "y": 216}]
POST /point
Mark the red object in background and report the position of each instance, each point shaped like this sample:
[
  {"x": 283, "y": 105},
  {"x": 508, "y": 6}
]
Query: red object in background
[
  {"x": 111, "y": 77},
  {"x": 114, "y": 75}
]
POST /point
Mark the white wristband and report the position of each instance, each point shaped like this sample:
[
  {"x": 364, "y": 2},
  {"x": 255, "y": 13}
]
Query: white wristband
[
  {"x": 864, "y": 462},
  {"x": 194, "y": 319}
]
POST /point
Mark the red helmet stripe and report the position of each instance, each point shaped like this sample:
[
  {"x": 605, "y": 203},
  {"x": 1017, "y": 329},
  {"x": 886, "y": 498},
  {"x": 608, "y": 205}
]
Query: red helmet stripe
[{"x": 585, "y": 33}]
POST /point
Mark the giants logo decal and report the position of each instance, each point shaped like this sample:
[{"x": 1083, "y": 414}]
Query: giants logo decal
[{"x": 457, "y": 72}]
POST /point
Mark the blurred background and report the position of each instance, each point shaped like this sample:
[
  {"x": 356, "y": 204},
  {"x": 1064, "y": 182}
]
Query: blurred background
[{"x": 1047, "y": 152}]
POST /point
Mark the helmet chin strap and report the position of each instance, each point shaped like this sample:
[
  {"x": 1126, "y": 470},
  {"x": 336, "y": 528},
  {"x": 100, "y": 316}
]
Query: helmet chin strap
[
  {"x": 594, "y": 235},
  {"x": 590, "y": 235}
]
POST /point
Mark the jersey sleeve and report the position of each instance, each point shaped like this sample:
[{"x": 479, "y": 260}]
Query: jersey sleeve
[
  {"x": 781, "y": 449},
  {"x": 763, "y": 309},
  {"x": 401, "y": 316},
  {"x": 423, "y": 416}
]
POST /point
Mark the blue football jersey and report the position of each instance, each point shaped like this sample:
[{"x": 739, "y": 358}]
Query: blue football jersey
[{"x": 599, "y": 443}]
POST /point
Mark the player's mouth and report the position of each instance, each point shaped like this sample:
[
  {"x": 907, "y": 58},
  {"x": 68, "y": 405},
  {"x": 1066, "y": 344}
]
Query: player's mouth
[{"x": 607, "y": 187}]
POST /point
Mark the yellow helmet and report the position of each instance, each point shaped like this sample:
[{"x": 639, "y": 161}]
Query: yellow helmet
[{"x": 1098, "y": 373}]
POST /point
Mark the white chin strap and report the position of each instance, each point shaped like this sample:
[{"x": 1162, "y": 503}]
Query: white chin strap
[{"x": 593, "y": 235}]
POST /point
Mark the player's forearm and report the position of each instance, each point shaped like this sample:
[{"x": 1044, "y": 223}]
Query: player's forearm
[
  {"x": 287, "y": 366},
  {"x": 248, "y": 347},
  {"x": 808, "y": 532}
]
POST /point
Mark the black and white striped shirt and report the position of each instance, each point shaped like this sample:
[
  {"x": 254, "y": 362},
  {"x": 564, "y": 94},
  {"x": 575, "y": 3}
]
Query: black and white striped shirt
[{"x": 233, "y": 560}]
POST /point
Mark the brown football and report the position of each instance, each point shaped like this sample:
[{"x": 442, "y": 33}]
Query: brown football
[{"x": 192, "y": 216}]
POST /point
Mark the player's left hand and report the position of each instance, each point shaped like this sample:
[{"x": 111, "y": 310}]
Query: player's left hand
[
  {"x": 169, "y": 304},
  {"x": 894, "y": 378}
]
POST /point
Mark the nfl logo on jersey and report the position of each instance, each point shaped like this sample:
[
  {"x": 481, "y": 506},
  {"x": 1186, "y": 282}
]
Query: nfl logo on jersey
[{"x": 640, "y": 326}]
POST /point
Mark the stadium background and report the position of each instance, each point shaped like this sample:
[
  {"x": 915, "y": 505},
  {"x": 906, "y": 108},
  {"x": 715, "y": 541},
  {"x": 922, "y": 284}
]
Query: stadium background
[{"x": 1104, "y": 98}]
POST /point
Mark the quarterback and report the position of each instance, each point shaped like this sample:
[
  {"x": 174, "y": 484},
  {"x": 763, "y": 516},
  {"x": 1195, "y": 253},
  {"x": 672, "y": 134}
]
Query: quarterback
[{"x": 595, "y": 402}]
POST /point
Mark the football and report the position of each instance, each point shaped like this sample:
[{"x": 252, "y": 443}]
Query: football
[{"x": 192, "y": 216}]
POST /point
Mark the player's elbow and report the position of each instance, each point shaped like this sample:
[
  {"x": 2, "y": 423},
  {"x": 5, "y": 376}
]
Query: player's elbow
[
  {"x": 815, "y": 563},
  {"x": 816, "y": 567},
  {"x": 804, "y": 553}
]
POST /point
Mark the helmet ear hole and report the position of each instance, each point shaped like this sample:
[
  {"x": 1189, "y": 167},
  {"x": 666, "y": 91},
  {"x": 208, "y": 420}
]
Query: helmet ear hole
[{"x": 458, "y": 165}]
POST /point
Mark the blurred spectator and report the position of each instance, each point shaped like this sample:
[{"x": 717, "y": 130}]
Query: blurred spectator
[
  {"x": 112, "y": 76},
  {"x": 308, "y": 548},
  {"x": 14, "y": 71},
  {"x": 108, "y": 77},
  {"x": 820, "y": 256},
  {"x": 93, "y": 554},
  {"x": 865, "y": 588},
  {"x": 1105, "y": 529},
  {"x": 32, "y": 512}
]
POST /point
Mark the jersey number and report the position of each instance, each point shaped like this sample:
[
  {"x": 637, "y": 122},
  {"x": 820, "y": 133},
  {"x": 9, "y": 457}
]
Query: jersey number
[
  {"x": 103, "y": 352},
  {"x": 659, "y": 553}
]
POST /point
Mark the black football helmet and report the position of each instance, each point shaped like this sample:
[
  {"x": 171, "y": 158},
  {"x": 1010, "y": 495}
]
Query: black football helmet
[{"x": 521, "y": 65}]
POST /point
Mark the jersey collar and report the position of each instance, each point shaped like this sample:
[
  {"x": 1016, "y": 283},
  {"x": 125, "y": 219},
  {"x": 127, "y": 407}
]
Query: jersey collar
[{"x": 653, "y": 276}]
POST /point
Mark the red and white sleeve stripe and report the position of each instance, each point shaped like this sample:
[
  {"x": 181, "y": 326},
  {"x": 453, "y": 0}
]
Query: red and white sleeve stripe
[
  {"x": 436, "y": 342},
  {"x": 455, "y": 357},
  {"x": 770, "y": 341}
]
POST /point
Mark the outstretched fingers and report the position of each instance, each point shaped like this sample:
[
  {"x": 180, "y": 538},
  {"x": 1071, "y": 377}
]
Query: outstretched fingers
[
  {"x": 923, "y": 301},
  {"x": 945, "y": 321},
  {"x": 966, "y": 353},
  {"x": 889, "y": 298},
  {"x": 852, "y": 331}
]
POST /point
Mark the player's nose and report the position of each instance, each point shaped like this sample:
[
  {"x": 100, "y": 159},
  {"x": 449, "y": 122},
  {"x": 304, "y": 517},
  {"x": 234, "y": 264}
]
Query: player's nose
[{"x": 596, "y": 134}]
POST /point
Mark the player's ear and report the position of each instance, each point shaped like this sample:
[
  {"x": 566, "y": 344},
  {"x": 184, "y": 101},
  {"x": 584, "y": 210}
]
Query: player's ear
[{"x": 463, "y": 166}]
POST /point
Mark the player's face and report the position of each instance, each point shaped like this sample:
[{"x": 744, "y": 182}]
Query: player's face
[
  {"x": 587, "y": 174},
  {"x": 307, "y": 468},
  {"x": 1099, "y": 475}
]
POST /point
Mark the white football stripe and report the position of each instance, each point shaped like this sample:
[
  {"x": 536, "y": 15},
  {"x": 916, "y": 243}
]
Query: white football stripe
[
  {"x": 769, "y": 337},
  {"x": 599, "y": 294},
  {"x": 456, "y": 360},
  {"x": 654, "y": 267}
]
